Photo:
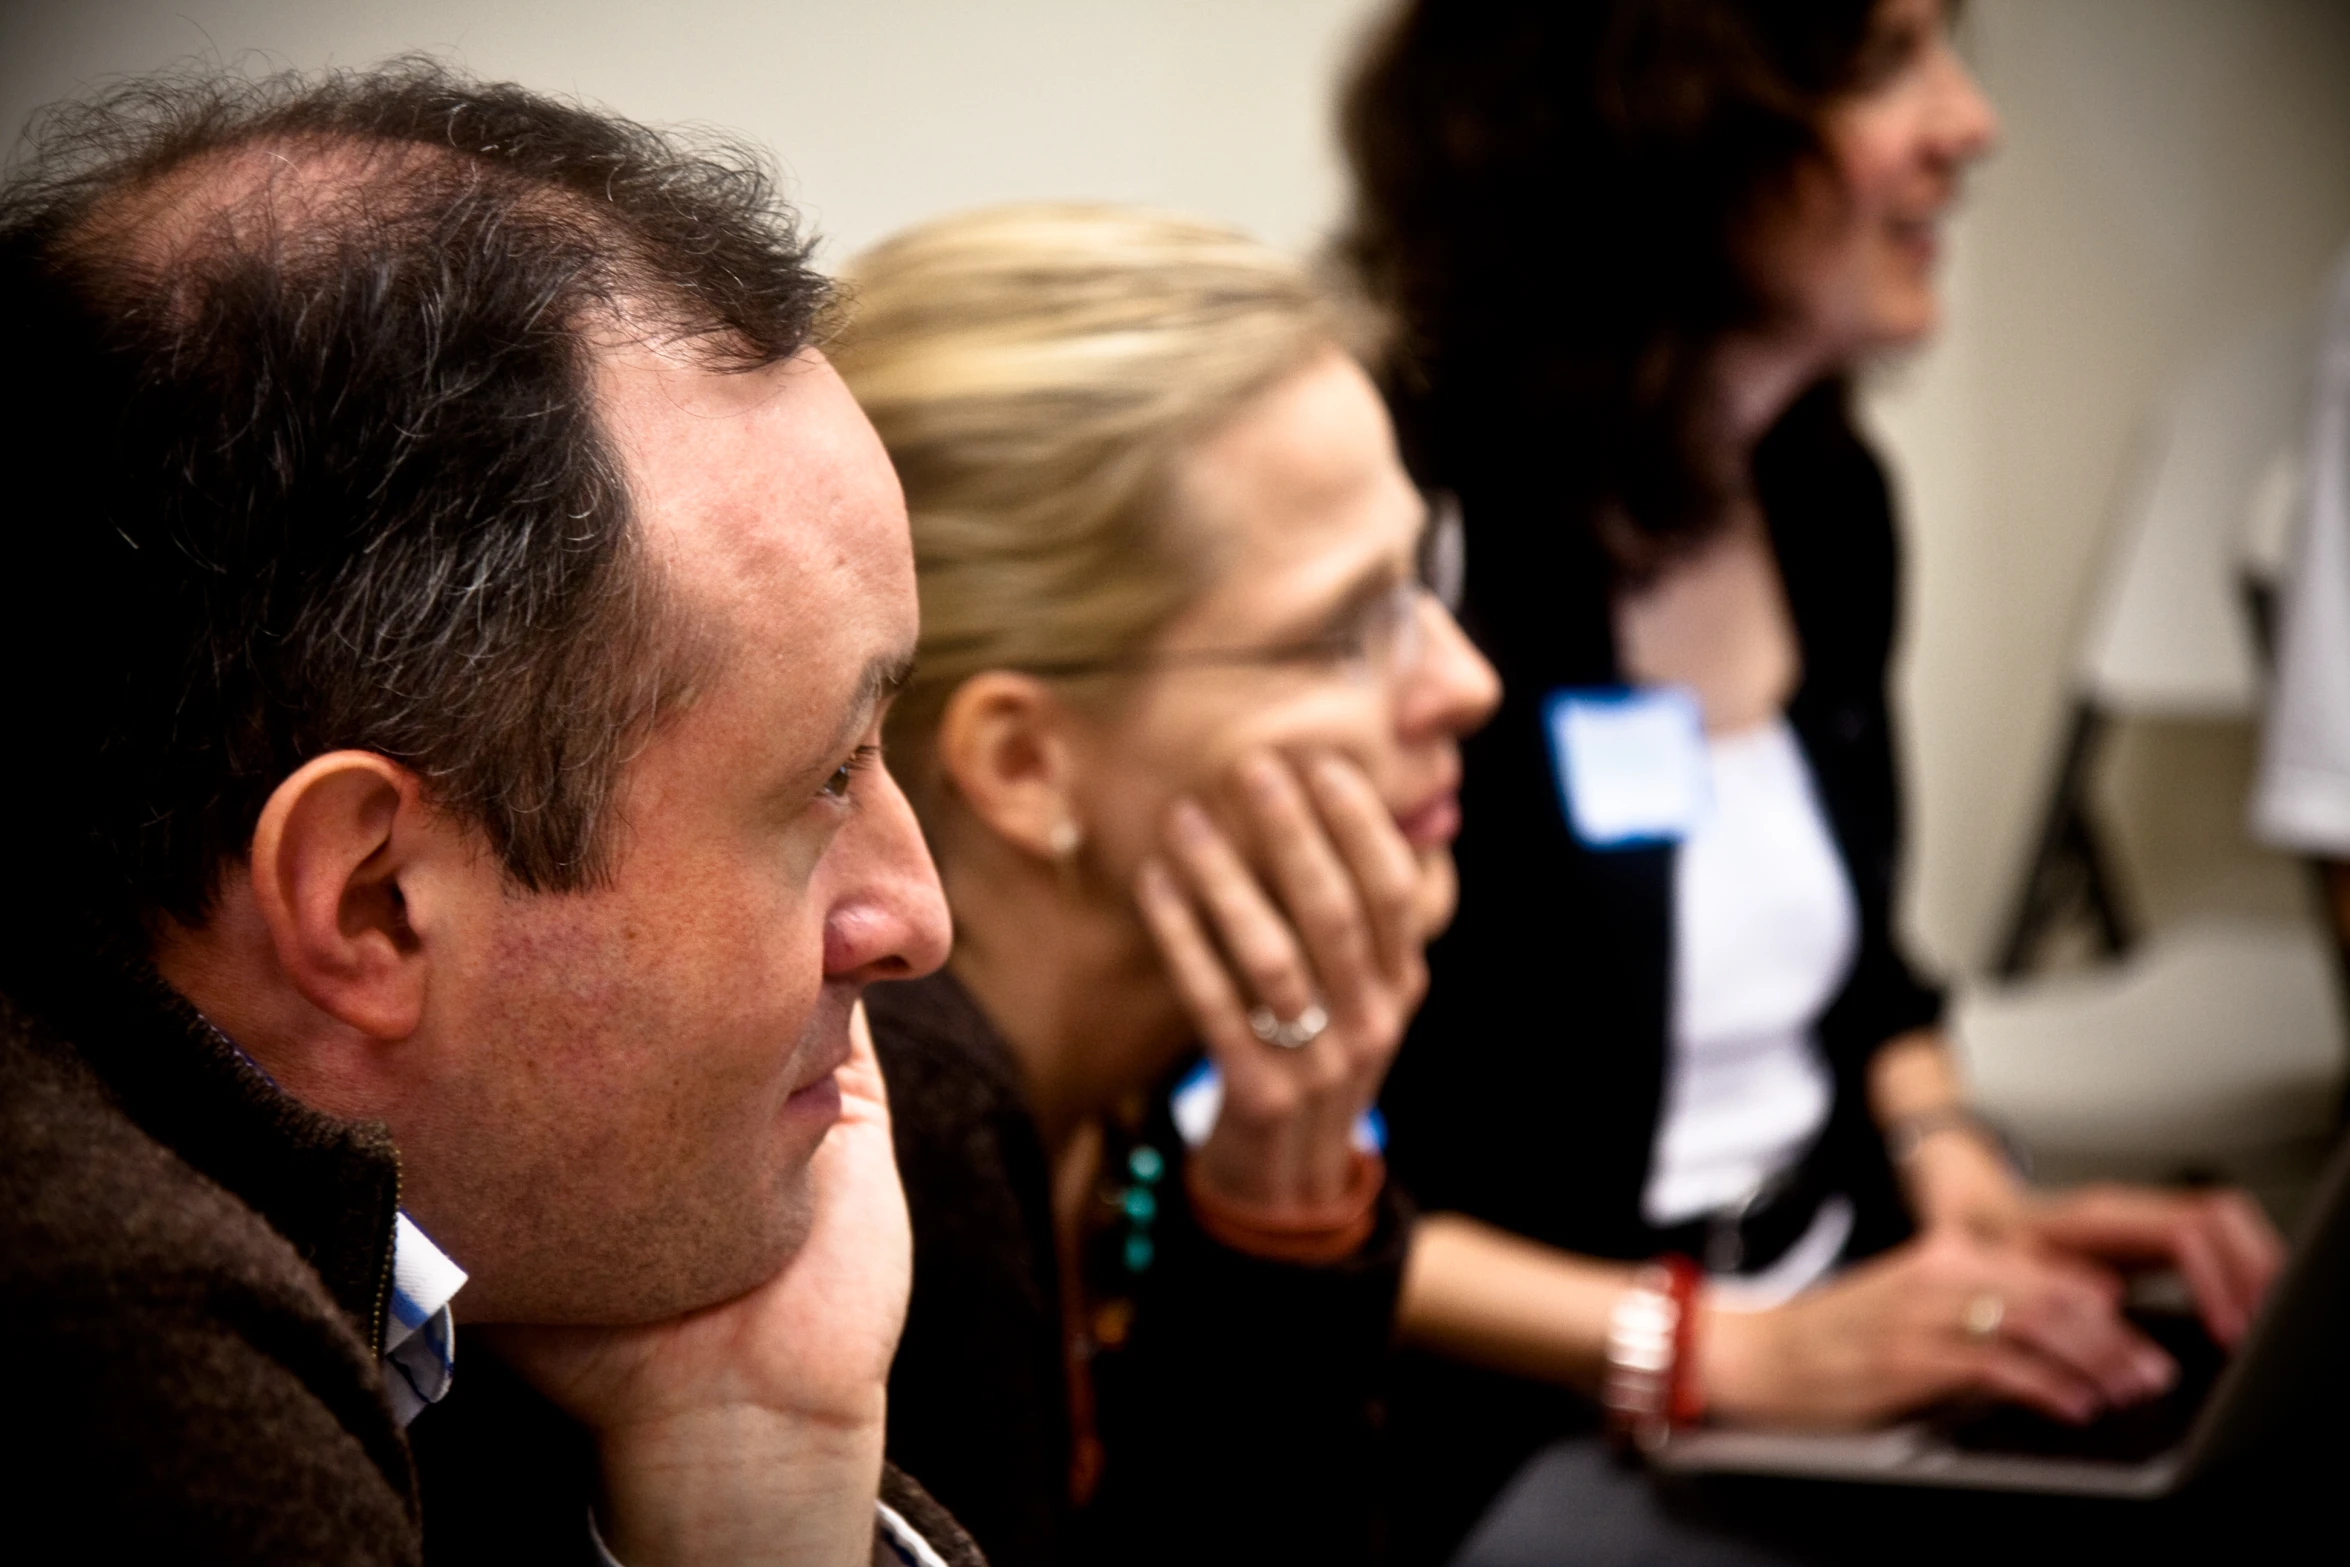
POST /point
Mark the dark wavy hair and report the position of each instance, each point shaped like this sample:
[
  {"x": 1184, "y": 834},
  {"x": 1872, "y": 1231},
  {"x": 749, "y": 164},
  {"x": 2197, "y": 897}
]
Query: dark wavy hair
[
  {"x": 1555, "y": 201},
  {"x": 303, "y": 454}
]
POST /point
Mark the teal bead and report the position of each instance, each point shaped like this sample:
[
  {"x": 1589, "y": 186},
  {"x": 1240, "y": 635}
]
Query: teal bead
[
  {"x": 1140, "y": 1205},
  {"x": 1138, "y": 1253},
  {"x": 1145, "y": 1165}
]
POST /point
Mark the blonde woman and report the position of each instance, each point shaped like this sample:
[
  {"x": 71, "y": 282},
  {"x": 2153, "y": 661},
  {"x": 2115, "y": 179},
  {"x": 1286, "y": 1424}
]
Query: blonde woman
[{"x": 1184, "y": 738}]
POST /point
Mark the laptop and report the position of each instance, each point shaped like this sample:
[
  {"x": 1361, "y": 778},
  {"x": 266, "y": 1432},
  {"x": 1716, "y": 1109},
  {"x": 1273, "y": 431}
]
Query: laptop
[{"x": 2220, "y": 1407}]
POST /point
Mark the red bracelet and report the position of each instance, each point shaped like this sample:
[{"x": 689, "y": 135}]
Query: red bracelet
[
  {"x": 1651, "y": 1384},
  {"x": 1335, "y": 1231}
]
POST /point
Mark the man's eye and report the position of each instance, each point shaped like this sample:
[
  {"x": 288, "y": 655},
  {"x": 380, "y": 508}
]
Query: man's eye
[{"x": 837, "y": 786}]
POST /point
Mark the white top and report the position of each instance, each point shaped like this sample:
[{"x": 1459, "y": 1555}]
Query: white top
[
  {"x": 1764, "y": 931},
  {"x": 2302, "y": 801}
]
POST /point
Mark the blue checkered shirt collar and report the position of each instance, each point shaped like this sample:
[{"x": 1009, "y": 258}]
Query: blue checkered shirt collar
[
  {"x": 420, "y": 1345},
  {"x": 420, "y": 1349}
]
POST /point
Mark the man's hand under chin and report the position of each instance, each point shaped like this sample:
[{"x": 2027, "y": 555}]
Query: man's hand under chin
[{"x": 751, "y": 1431}]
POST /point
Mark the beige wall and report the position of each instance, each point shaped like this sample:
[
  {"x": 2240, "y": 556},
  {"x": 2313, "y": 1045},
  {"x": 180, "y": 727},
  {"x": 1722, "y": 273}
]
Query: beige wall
[
  {"x": 2173, "y": 167},
  {"x": 2173, "y": 170},
  {"x": 882, "y": 111}
]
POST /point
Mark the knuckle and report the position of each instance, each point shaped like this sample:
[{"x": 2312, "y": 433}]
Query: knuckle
[
  {"x": 1380, "y": 1024},
  {"x": 1331, "y": 922}
]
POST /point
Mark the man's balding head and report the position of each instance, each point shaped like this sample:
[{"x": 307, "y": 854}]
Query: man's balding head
[{"x": 306, "y": 456}]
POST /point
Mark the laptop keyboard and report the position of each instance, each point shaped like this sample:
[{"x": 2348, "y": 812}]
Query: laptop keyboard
[{"x": 2131, "y": 1435}]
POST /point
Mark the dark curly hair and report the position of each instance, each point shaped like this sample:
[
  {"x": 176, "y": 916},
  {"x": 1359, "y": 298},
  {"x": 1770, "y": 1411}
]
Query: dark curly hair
[
  {"x": 303, "y": 455},
  {"x": 1555, "y": 201}
]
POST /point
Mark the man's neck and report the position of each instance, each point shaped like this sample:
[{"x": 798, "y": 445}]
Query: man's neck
[{"x": 226, "y": 968}]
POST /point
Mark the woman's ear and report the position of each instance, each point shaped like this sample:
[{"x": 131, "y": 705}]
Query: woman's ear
[
  {"x": 1003, "y": 746},
  {"x": 327, "y": 859}
]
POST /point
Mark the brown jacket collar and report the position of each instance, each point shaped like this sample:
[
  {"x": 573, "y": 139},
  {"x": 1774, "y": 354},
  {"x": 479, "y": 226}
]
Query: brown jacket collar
[{"x": 330, "y": 1187}]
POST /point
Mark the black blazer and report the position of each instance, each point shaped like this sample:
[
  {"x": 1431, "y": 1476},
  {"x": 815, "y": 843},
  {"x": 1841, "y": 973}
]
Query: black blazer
[{"x": 1529, "y": 1091}]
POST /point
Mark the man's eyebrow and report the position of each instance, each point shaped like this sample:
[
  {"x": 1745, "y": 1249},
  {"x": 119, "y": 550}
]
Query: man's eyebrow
[{"x": 884, "y": 677}]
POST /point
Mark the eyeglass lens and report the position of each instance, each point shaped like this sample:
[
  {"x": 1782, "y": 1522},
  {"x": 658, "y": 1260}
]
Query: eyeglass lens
[{"x": 1444, "y": 551}]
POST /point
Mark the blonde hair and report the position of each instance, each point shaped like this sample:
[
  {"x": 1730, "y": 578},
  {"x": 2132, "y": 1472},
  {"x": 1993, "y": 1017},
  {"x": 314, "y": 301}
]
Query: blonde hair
[{"x": 1038, "y": 373}]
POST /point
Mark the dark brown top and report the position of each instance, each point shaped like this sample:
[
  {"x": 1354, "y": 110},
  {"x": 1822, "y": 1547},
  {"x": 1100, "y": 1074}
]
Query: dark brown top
[
  {"x": 194, "y": 1273},
  {"x": 1237, "y": 1416}
]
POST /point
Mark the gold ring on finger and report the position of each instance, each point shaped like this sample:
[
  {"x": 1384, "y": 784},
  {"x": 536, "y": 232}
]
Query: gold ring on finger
[
  {"x": 1295, "y": 1034},
  {"x": 1983, "y": 1316}
]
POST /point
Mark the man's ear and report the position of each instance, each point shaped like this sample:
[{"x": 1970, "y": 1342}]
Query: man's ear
[
  {"x": 1003, "y": 745},
  {"x": 326, "y": 862}
]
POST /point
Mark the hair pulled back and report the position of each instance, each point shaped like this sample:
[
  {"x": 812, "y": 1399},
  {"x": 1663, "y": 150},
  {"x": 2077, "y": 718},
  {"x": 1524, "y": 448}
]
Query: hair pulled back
[{"x": 1038, "y": 374}]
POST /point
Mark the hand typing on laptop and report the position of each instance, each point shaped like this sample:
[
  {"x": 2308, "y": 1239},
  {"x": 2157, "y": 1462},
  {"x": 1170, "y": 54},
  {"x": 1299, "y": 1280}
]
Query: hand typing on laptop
[
  {"x": 2005, "y": 1295},
  {"x": 2220, "y": 1242},
  {"x": 1909, "y": 1329}
]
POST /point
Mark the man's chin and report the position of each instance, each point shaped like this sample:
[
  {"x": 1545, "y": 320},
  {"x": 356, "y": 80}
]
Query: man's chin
[
  {"x": 791, "y": 1212},
  {"x": 785, "y": 1217},
  {"x": 811, "y": 1111},
  {"x": 771, "y": 1224}
]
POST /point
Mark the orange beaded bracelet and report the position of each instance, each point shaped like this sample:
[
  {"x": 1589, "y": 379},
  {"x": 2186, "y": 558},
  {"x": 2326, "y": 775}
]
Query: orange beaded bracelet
[{"x": 1334, "y": 1230}]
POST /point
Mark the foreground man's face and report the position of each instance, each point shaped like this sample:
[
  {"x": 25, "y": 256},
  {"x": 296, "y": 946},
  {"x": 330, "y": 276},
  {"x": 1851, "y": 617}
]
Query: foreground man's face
[{"x": 640, "y": 1074}]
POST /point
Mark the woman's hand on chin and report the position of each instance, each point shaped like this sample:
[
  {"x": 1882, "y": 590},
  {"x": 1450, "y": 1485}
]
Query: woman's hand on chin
[{"x": 1330, "y": 934}]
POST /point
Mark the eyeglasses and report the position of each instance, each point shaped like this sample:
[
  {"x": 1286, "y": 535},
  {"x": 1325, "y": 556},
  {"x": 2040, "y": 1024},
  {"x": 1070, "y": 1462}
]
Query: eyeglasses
[{"x": 1382, "y": 634}]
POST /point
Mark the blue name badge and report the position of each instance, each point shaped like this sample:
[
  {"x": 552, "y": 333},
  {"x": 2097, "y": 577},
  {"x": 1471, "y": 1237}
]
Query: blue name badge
[{"x": 1631, "y": 763}]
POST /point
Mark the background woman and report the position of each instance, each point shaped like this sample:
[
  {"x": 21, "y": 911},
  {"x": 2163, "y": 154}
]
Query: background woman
[
  {"x": 1635, "y": 248},
  {"x": 1183, "y": 736}
]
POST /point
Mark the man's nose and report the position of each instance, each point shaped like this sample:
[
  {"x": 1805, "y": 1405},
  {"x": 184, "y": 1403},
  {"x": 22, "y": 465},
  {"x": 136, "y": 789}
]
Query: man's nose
[{"x": 892, "y": 921}]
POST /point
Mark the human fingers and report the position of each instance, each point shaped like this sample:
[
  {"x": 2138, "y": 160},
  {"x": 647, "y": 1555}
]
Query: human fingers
[
  {"x": 1315, "y": 888},
  {"x": 1201, "y": 981},
  {"x": 1384, "y": 869},
  {"x": 2255, "y": 1252},
  {"x": 2122, "y": 1223},
  {"x": 1896, "y": 1333},
  {"x": 2210, "y": 1286},
  {"x": 864, "y": 1091},
  {"x": 1949, "y": 1305},
  {"x": 2228, "y": 1253},
  {"x": 2070, "y": 1317},
  {"x": 1251, "y": 931},
  {"x": 2220, "y": 1242},
  {"x": 2011, "y": 1374},
  {"x": 1276, "y": 1140}
]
